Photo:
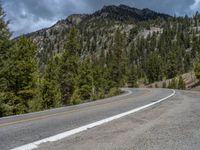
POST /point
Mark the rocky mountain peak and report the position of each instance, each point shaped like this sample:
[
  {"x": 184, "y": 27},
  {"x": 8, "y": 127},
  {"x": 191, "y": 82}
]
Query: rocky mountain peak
[
  {"x": 76, "y": 18},
  {"x": 123, "y": 12}
]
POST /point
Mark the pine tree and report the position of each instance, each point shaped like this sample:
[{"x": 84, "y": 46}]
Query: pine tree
[
  {"x": 187, "y": 63},
  {"x": 154, "y": 68},
  {"x": 133, "y": 77},
  {"x": 4, "y": 35},
  {"x": 21, "y": 76},
  {"x": 195, "y": 47},
  {"x": 76, "y": 97},
  {"x": 171, "y": 65},
  {"x": 50, "y": 88},
  {"x": 69, "y": 65},
  {"x": 4, "y": 46},
  {"x": 5, "y": 106},
  {"x": 102, "y": 81},
  {"x": 119, "y": 61},
  {"x": 84, "y": 81}
]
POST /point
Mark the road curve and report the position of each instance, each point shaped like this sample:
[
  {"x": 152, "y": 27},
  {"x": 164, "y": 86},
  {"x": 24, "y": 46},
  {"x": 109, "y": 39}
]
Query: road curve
[{"x": 17, "y": 131}]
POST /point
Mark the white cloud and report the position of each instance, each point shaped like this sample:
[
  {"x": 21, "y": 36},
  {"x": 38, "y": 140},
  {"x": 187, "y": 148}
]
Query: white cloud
[
  {"x": 31, "y": 15},
  {"x": 24, "y": 25},
  {"x": 195, "y": 6}
]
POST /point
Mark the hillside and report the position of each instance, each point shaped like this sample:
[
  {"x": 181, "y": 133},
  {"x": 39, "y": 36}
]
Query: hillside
[
  {"x": 96, "y": 29},
  {"x": 156, "y": 45}
]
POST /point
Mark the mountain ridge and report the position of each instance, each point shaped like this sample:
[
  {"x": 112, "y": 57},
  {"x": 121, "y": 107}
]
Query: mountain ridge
[
  {"x": 124, "y": 12},
  {"x": 77, "y": 18}
]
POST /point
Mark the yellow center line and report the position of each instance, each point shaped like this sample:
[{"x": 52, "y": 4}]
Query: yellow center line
[{"x": 68, "y": 112}]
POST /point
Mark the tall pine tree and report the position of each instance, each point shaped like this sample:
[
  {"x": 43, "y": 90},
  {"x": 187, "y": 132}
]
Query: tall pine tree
[
  {"x": 119, "y": 60},
  {"x": 21, "y": 77},
  {"x": 4, "y": 46},
  {"x": 50, "y": 88},
  {"x": 69, "y": 65}
]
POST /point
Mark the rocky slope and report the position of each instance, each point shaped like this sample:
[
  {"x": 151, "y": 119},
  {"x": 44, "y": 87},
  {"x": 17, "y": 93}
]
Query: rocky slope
[{"x": 96, "y": 30}]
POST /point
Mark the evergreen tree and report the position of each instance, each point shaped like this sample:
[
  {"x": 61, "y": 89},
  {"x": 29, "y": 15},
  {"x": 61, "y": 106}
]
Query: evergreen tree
[
  {"x": 21, "y": 76},
  {"x": 4, "y": 46},
  {"x": 69, "y": 65},
  {"x": 172, "y": 69},
  {"x": 50, "y": 88},
  {"x": 83, "y": 82},
  {"x": 119, "y": 61},
  {"x": 132, "y": 76},
  {"x": 102, "y": 81},
  {"x": 154, "y": 68},
  {"x": 4, "y": 35},
  {"x": 5, "y": 105},
  {"x": 187, "y": 63}
]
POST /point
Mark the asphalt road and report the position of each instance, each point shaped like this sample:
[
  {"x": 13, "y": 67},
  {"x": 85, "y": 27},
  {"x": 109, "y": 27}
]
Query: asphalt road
[{"x": 171, "y": 124}]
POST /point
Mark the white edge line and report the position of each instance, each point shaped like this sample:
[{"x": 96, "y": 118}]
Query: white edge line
[{"x": 66, "y": 134}]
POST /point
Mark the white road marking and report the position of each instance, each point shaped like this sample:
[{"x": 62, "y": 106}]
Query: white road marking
[{"x": 66, "y": 134}]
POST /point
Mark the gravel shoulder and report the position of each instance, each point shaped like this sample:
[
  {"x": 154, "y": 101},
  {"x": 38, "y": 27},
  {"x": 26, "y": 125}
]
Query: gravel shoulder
[{"x": 196, "y": 88}]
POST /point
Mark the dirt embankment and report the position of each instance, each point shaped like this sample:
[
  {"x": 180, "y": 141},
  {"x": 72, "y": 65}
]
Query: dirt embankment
[{"x": 192, "y": 83}]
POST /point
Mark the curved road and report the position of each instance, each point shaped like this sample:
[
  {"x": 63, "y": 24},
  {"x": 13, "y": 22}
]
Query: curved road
[{"x": 139, "y": 119}]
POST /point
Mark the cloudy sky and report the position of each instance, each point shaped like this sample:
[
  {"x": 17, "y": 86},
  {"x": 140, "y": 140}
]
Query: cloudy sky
[{"x": 31, "y": 15}]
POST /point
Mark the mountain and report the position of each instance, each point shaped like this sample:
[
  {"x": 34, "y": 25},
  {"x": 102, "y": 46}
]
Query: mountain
[
  {"x": 126, "y": 13},
  {"x": 96, "y": 29}
]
